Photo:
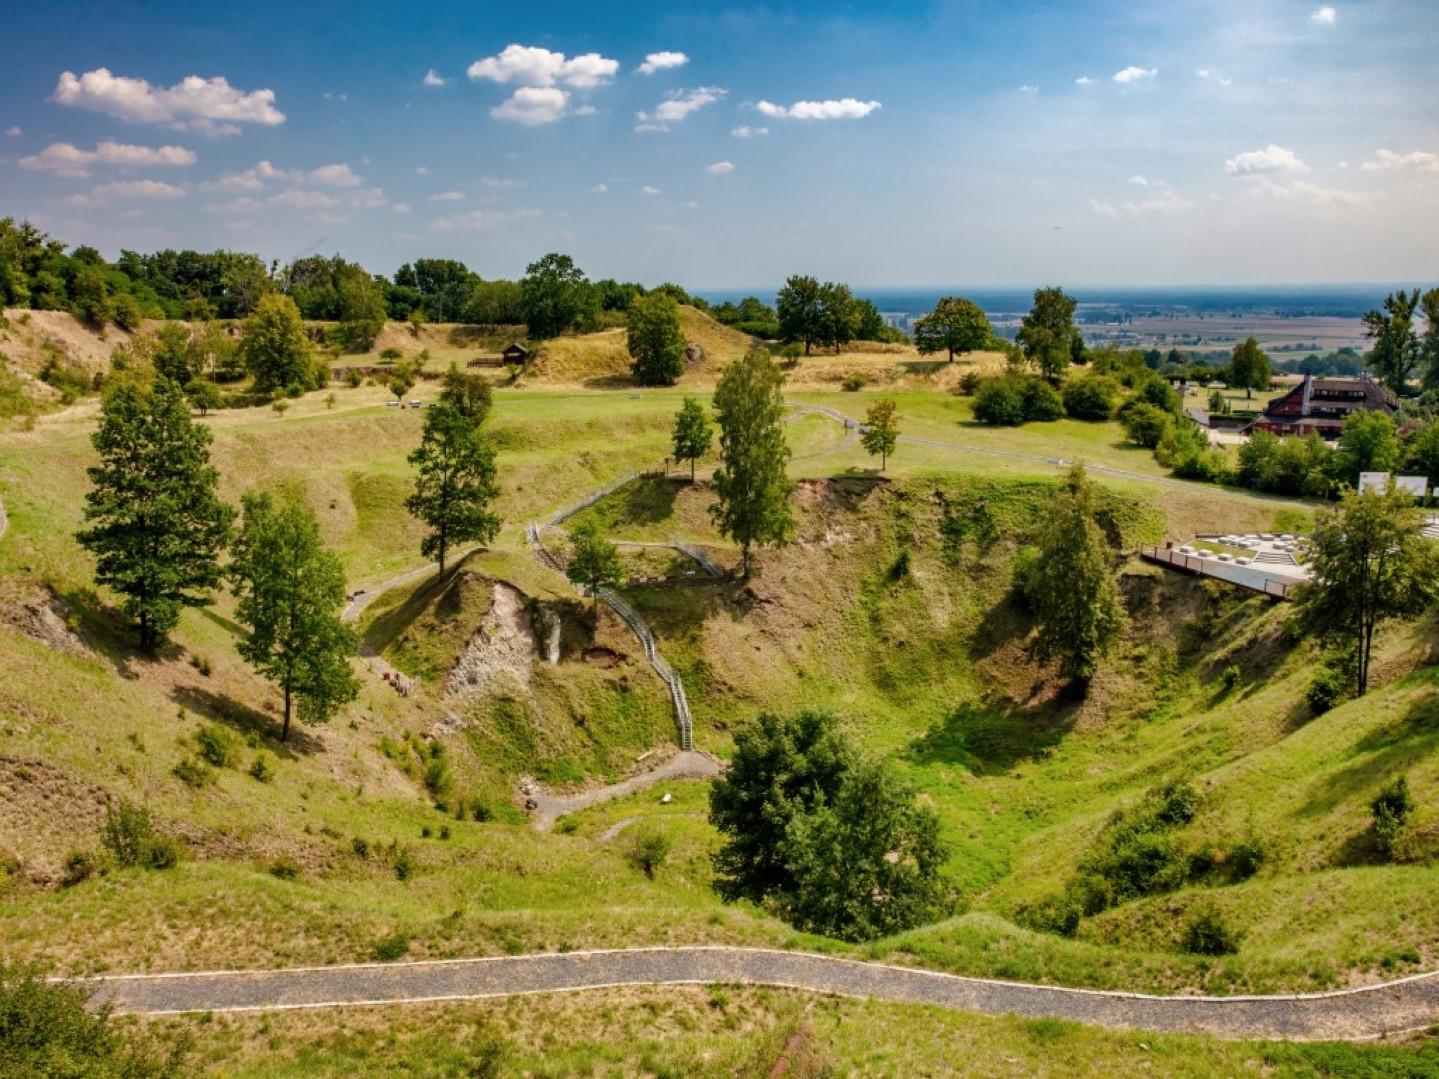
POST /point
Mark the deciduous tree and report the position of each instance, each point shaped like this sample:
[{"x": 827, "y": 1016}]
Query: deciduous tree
[
  {"x": 1249, "y": 367},
  {"x": 468, "y": 394},
  {"x": 1047, "y": 333},
  {"x": 800, "y": 305},
  {"x": 693, "y": 433},
  {"x": 751, "y": 488},
  {"x": 840, "y": 315},
  {"x": 1369, "y": 566},
  {"x": 556, "y": 296},
  {"x": 274, "y": 348},
  {"x": 594, "y": 560},
  {"x": 291, "y": 591},
  {"x": 881, "y": 431},
  {"x": 454, "y": 483},
  {"x": 656, "y": 341},
  {"x": 155, "y": 524},
  {"x": 1396, "y": 348},
  {"x": 955, "y": 325}
]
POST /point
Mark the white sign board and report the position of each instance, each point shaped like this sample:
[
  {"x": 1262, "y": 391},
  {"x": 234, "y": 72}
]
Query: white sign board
[
  {"x": 1414, "y": 485},
  {"x": 1377, "y": 480}
]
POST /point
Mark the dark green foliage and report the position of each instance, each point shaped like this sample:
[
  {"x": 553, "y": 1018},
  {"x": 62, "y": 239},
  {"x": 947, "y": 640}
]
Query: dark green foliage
[
  {"x": 1000, "y": 402},
  {"x": 556, "y": 297},
  {"x": 1248, "y": 855},
  {"x": 801, "y": 311},
  {"x": 156, "y": 525},
  {"x": 1329, "y": 686},
  {"x": 194, "y": 773},
  {"x": 1391, "y": 809},
  {"x": 594, "y": 560},
  {"x": 1291, "y": 466},
  {"x": 1090, "y": 398},
  {"x": 1207, "y": 933},
  {"x": 1396, "y": 349},
  {"x": 49, "y": 1031},
  {"x": 203, "y": 395},
  {"x": 880, "y": 433},
  {"x": 839, "y": 315},
  {"x": 852, "y": 384},
  {"x": 692, "y": 434},
  {"x": 1047, "y": 333},
  {"x": 129, "y": 838},
  {"x": 751, "y": 486},
  {"x": 217, "y": 746},
  {"x": 1367, "y": 444},
  {"x": 1229, "y": 678},
  {"x": 291, "y": 591},
  {"x": 70, "y": 379},
  {"x": 80, "y": 866},
  {"x": 361, "y": 312},
  {"x": 955, "y": 325},
  {"x": 1042, "y": 402},
  {"x": 274, "y": 348},
  {"x": 455, "y": 483},
  {"x": 655, "y": 340},
  {"x": 1249, "y": 368},
  {"x": 91, "y": 298},
  {"x": 648, "y": 850},
  {"x": 284, "y": 869},
  {"x": 962, "y": 522},
  {"x": 1185, "y": 449},
  {"x": 468, "y": 394},
  {"x": 261, "y": 769},
  {"x": 388, "y": 949}
]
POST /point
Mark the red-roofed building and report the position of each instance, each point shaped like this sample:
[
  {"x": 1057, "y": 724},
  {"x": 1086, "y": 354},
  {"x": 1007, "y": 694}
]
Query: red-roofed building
[{"x": 1321, "y": 405}]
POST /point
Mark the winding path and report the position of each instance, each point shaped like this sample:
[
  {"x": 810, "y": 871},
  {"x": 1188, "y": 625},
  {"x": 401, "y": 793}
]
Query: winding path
[
  {"x": 687, "y": 764},
  {"x": 1352, "y": 1015}
]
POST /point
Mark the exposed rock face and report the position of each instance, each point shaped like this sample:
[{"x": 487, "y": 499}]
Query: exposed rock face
[
  {"x": 693, "y": 354},
  {"x": 501, "y": 653},
  {"x": 550, "y": 619},
  {"x": 44, "y": 619}
]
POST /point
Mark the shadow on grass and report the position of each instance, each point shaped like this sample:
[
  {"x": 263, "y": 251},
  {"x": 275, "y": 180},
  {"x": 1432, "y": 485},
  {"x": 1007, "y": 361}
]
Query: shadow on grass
[
  {"x": 652, "y": 499},
  {"x": 1387, "y": 750},
  {"x": 246, "y": 720},
  {"x": 233, "y": 628},
  {"x": 990, "y": 741},
  {"x": 610, "y": 382},
  {"x": 387, "y": 626},
  {"x": 109, "y": 633},
  {"x": 923, "y": 367}
]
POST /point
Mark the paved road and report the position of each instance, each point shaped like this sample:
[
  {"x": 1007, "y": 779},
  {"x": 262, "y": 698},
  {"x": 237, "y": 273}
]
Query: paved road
[{"x": 1359, "y": 1014}]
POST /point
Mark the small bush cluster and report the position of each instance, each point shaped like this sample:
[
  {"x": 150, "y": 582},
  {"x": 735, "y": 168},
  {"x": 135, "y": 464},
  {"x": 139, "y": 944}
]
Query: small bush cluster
[
  {"x": 194, "y": 773},
  {"x": 388, "y": 949},
  {"x": 1391, "y": 809},
  {"x": 1013, "y": 400},
  {"x": 426, "y": 763},
  {"x": 649, "y": 850},
  {"x": 1207, "y": 933},
  {"x": 128, "y": 837},
  {"x": 217, "y": 746},
  {"x": 1329, "y": 687}
]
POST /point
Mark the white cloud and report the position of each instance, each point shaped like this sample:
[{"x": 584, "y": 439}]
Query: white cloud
[
  {"x": 745, "y": 131},
  {"x": 242, "y": 205},
  {"x": 1270, "y": 159},
  {"x": 299, "y": 198},
  {"x": 586, "y": 110},
  {"x": 530, "y": 65},
  {"x": 448, "y": 196},
  {"x": 1324, "y": 16},
  {"x": 433, "y": 78},
  {"x": 337, "y": 175},
  {"x": 600, "y": 189},
  {"x": 1210, "y": 73},
  {"x": 494, "y": 183},
  {"x": 1323, "y": 198},
  {"x": 661, "y": 61},
  {"x": 64, "y": 159},
  {"x": 533, "y": 105},
  {"x": 422, "y": 170},
  {"x": 648, "y": 190},
  {"x": 138, "y": 189},
  {"x": 719, "y": 168},
  {"x": 401, "y": 207},
  {"x": 14, "y": 132},
  {"x": 1104, "y": 209},
  {"x": 1389, "y": 159},
  {"x": 1135, "y": 74},
  {"x": 1028, "y": 88},
  {"x": 1084, "y": 80},
  {"x": 677, "y": 105},
  {"x": 481, "y": 219},
  {"x": 846, "y": 108},
  {"x": 1139, "y": 181},
  {"x": 1165, "y": 203},
  {"x": 211, "y": 106}
]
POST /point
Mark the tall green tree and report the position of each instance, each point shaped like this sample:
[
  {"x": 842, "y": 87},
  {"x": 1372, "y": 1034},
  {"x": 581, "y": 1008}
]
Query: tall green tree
[
  {"x": 91, "y": 297},
  {"x": 1249, "y": 367},
  {"x": 468, "y": 394},
  {"x": 361, "y": 311},
  {"x": 454, "y": 483},
  {"x": 656, "y": 341},
  {"x": 693, "y": 433},
  {"x": 955, "y": 325},
  {"x": 1429, "y": 344},
  {"x": 801, "y": 311},
  {"x": 1369, "y": 566},
  {"x": 556, "y": 297},
  {"x": 291, "y": 591},
  {"x": 1367, "y": 444},
  {"x": 1421, "y": 453},
  {"x": 1396, "y": 348},
  {"x": 1046, "y": 334},
  {"x": 881, "y": 431},
  {"x": 155, "y": 523},
  {"x": 274, "y": 348},
  {"x": 751, "y": 487},
  {"x": 840, "y": 315},
  {"x": 1070, "y": 586},
  {"x": 594, "y": 560},
  {"x": 782, "y": 765}
]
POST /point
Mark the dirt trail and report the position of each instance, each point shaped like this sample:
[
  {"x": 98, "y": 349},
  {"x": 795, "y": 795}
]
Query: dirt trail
[
  {"x": 1349, "y": 1015},
  {"x": 692, "y": 764}
]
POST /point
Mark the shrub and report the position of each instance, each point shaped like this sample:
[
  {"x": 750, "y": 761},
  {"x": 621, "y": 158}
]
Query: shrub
[
  {"x": 648, "y": 851},
  {"x": 999, "y": 402},
  {"x": 361, "y": 847},
  {"x": 401, "y": 861},
  {"x": 388, "y": 949},
  {"x": 1042, "y": 401},
  {"x": 853, "y": 384},
  {"x": 217, "y": 746},
  {"x": 1090, "y": 397},
  {"x": 194, "y": 773},
  {"x": 1328, "y": 687},
  {"x": 1058, "y": 914},
  {"x": 1207, "y": 933},
  {"x": 284, "y": 869},
  {"x": 1144, "y": 424},
  {"x": 391, "y": 355},
  {"x": 261, "y": 768},
  {"x": 1391, "y": 808},
  {"x": 1178, "y": 803},
  {"x": 1229, "y": 678},
  {"x": 353, "y": 378},
  {"x": 161, "y": 852},
  {"x": 969, "y": 382},
  {"x": 79, "y": 866},
  {"x": 1246, "y": 857},
  {"x": 126, "y": 832}
]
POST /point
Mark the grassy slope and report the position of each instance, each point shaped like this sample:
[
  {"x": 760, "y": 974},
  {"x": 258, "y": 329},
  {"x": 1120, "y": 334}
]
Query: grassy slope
[{"x": 1021, "y": 782}]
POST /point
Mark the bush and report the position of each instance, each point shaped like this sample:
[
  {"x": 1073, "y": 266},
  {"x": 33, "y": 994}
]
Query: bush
[
  {"x": 193, "y": 773},
  {"x": 361, "y": 847},
  {"x": 1178, "y": 803},
  {"x": 217, "y": 746},
  {"x": 1328, "y": 687},
  {"x": 1090, "y": 398},
  {"x": 162, "y": 852},
  {"x": 79, "y": 867},
  {"x": 126, "y": 832},
  {"x": 1246, "y": 857},
  {"x": 969, "y": 382},
  {"x": 853, "y": 384},
  {"x": 999, "y": 402},
  {"x": 1059, "y": 914},
  {"x": 1042, "y": 402},
  {"x": 1144, "y": 424},
  {"x": 1391, "y": 809},
  {"x": 401, "y": 861},
  {"x": 284, "y": 869},
  {"x": 1229, "y": 678},
  {"x": 261, "y": 768},
  {"x": 648, "y": 851},
  {"x": 388, "y": 949},
  {"x": 1207, "y": 933},
  {"x": 48, "y": 1029}
]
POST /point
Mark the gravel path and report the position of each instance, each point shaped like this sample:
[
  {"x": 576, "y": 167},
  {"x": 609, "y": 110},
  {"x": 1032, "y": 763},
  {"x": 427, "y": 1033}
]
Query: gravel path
[
  {"x": 1359, "y": 1014},
  {"x": 691, "y": 764}
]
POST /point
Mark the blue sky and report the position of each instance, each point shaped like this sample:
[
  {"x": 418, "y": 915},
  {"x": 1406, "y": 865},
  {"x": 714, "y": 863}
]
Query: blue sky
[{"x": 968, "y": 142}]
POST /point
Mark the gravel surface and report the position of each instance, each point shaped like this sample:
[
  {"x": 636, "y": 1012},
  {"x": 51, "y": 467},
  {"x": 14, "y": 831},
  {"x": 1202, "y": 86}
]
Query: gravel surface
[{"x": 1357, "y": 1014}]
